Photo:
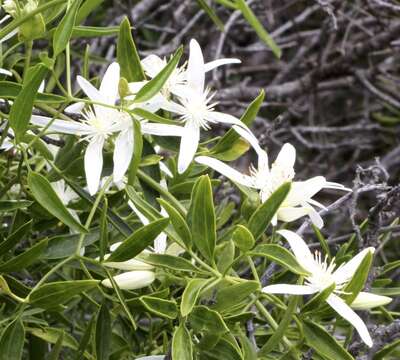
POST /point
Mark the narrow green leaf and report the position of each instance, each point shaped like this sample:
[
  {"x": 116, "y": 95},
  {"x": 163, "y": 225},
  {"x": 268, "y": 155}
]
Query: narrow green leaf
[
  {"x": 56, "y": 293},
  {"x": 323, "y": 343},
  {"x": 182, "y": 347},
  {"x": 190, "y": 295},
  {"x": 154, "y": 85},
  {"x": 103, "y": 230},
  {"x": 203, "y": 220},
  {"x": 64, "y": 29},
  {"x": 12, "y": 341},
  {"x": 211, "y": 13},
  {"x": 87, "y": 7},
  {"x": 231, "y": 136},
  {"x": 10, "y": 90},
  {"x": 139, "y": 241},
  {"x": 11, "y": 205},
  {"x": 55, "y": 352},
  {"x": 103, "y": 333},
  {"x": 160, "y": 307},
  {"x": 232, "y": 295},
  {"x": 127, "y": 55},
  {"x": 137, "y": 151},
  {"x": 21, "y": 109},
  {"x": 258, "y": 27},
  {"x": 243, "y": 238},
  {"x": 280, "y": 255},
  {"x": 25, "y": 259},
  {"x": 51, "y": 335},
  {"x": 47, "y": 197},
  {"x": 262, "y": 217},
  {"x": 178, "y": 222},
  {"x": 274, "y": 340},
  {"x": 15, "y": 237},
  {"x": 386, "y": 350},
  {"x": 85, "y": 339},
  {"x": 224, "y": 349},
  {"x": 313, "y": 303},
  {"x": 93, "y": 31},
  {"x": 169, "y": 261}
]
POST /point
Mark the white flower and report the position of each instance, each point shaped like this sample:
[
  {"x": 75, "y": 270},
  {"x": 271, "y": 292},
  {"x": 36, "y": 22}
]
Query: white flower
[
  {"x": 131, "y": 280},
  {"x": 323, "y": 275},
  {"x": 66, "y": 194},
  {"x": 11, "y": 7},
  {"x": 299, "y": 201},
  {"x": 195, "y": 107},
  {"x": 365, "y": 301},
  {"x": 5, "y": 72}
]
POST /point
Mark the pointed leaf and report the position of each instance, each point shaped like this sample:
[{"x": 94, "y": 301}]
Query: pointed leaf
[
  {"x": 182, "y": 347},
  {"x": 12, "y": 341},
  {"x": 103, "y": 333},
  {"x": 190, "y": 295}
]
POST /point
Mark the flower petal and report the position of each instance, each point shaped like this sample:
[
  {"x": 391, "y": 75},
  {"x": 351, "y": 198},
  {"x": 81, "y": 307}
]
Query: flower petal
[
  {"x": 123, "y": 152},
  {"x": 347, "y": 271},
  {"x": 216, "y": 63},
  {"x": 109, "y": 84},
  {"x": 89, "y": 90},
  {"x": 152, "y": 65},
  {"x": 365, "y": 301},
  {"x": 189, "y": 144},
  {"x": 195, "y": 69},
  {"x": 94, "y": 163},
  {"x": 5, "y": 72},
  {"x": 291, "y": 213},
  {"x": 129, "y": 265},
  {"x": 347, "y": 313},
  {"x": 226, "y": 170},
  {"x": 300, "y": 250},
  {"x": 61, "y": 126},
  {"x": 286, "y": 157},
  {"x": 289, "y": 289},
  {"x": 132, "y": 280},
  {"x": 172, "y": 107},
  {"x": 162, "y": 129},
  {"x": 303, "y": 190},
  {"x": 75, "y": 108}
]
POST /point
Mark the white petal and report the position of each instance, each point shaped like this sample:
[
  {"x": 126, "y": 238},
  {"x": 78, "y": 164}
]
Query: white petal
[
  {"x": 160, "y": 243},
  {"x": 216, "y": 63},
  {"x": 90, "y": 90},
  {"x": 94, "y": 163},
  {"x": 141, "y": 217},
  {"x": 303, "y": 190},
  {"x": 219, "y": 117},
  {"x": 9, "y": 35},
  {"x": 162, "y": 129},
  {"x": 226, "y": 170},
  {"x": 109, "y": 84},
  {"x": 289, "y": 289},
  {"x": 189, "y": 144},
  {"x": 195, "y": 69},
  {"x": 347, "y": 313},
  {"x": 134, "y": 87},
  {"x": 286, "y": 157},
  {"x": 132, "y": 280},
  {"x": 347, "y": 271},
  {"x": 123, "y": 151},
  {"x": 316, "y": 218},
  {"x": 290, "y": 213},
  {"x": 5, "y": 72},
  {"x": 173, "y": 107},
  {"x": 164, "y": 168},
  {"x": 152, "y": 65},
  {"x": 61, "y": 126},
  {"x": 75, "y": 108},
  {"x": 365, "y": 301},
  {"x": 300, "y": 249},
  {"x": 129, "y": 265}
]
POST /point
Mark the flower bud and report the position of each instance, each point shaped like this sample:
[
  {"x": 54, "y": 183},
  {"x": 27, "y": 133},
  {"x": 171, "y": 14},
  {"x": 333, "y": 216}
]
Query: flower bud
[
  {"x": 35, "y": 27},
  {"x": 132, "y": 280},
  {"x": 10, "y": 7},
  {"x": 129, "y": 265},
  {"x": 365, "y": 301}
]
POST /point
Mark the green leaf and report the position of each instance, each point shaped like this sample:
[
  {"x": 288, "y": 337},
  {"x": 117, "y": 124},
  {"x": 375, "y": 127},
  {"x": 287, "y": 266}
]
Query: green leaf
[
  {"x": 93, "y": 31},
  {"x": 230, "y": 296},
  {"x": 231, "y": 136},
  {"x": 11, "y": 205},
  {"x": 168, "y": 261},
  {"x": 64, "y": 29},
  {"x": 204, "y": 319},
  {"x": 15, "y": 237},
  {"x": 25, "y": 259},
  {"x": 202, "y": 218},
  {"x": 55, "y": 352},
  {"x": 21, "y": 109},
  {"x": 313, "y": 303},
  {"x": 51, "y": 335},
  {"x": 278, "y": 334},
  {"x": 85, "y": 339},
  {"x": 258, "y": 27},
  {"x": 56, "y": 293},
  {"x": 138, "y": 241},
  {"x": 190, "y": 295},
  {"x": 182, "y": 348},
  {"x": 155, "y": 85},
  {"x": 137, "y": 151},
  {"x": 127, "y": 55},
  {"x": 160, "y": 307},
  {"x": 386, "y": 350},
  {"x": 12, "y": 341},
  {"x": 87, "y": 7},
  {"x": 357, "y": 282},
  {"x": 243, "y": 238},
  {"x": 323, "y": 343},
  {"x": 224, "y": 350},
  {"x": 10, "y": 90},
  {"x": 103, "y": 333},
  {"x": 262, "y": 217},
  {"x": 47, "y": 197},
  {"x": 211, "y": 13},
  {"x": 103, "y": 230},
  {"x": 178, "y": 222},
  {"x": 279, "y": 255}
]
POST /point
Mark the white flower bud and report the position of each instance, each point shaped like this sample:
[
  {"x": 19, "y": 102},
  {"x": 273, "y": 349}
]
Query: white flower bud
[
  {"x": 10, "y": 7},
  {"x": 30, "y": 6},
  {"x": 128, "y": 265},
  {"x": 365, "y": 301},
  {"x": 132, "y": 280}
]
